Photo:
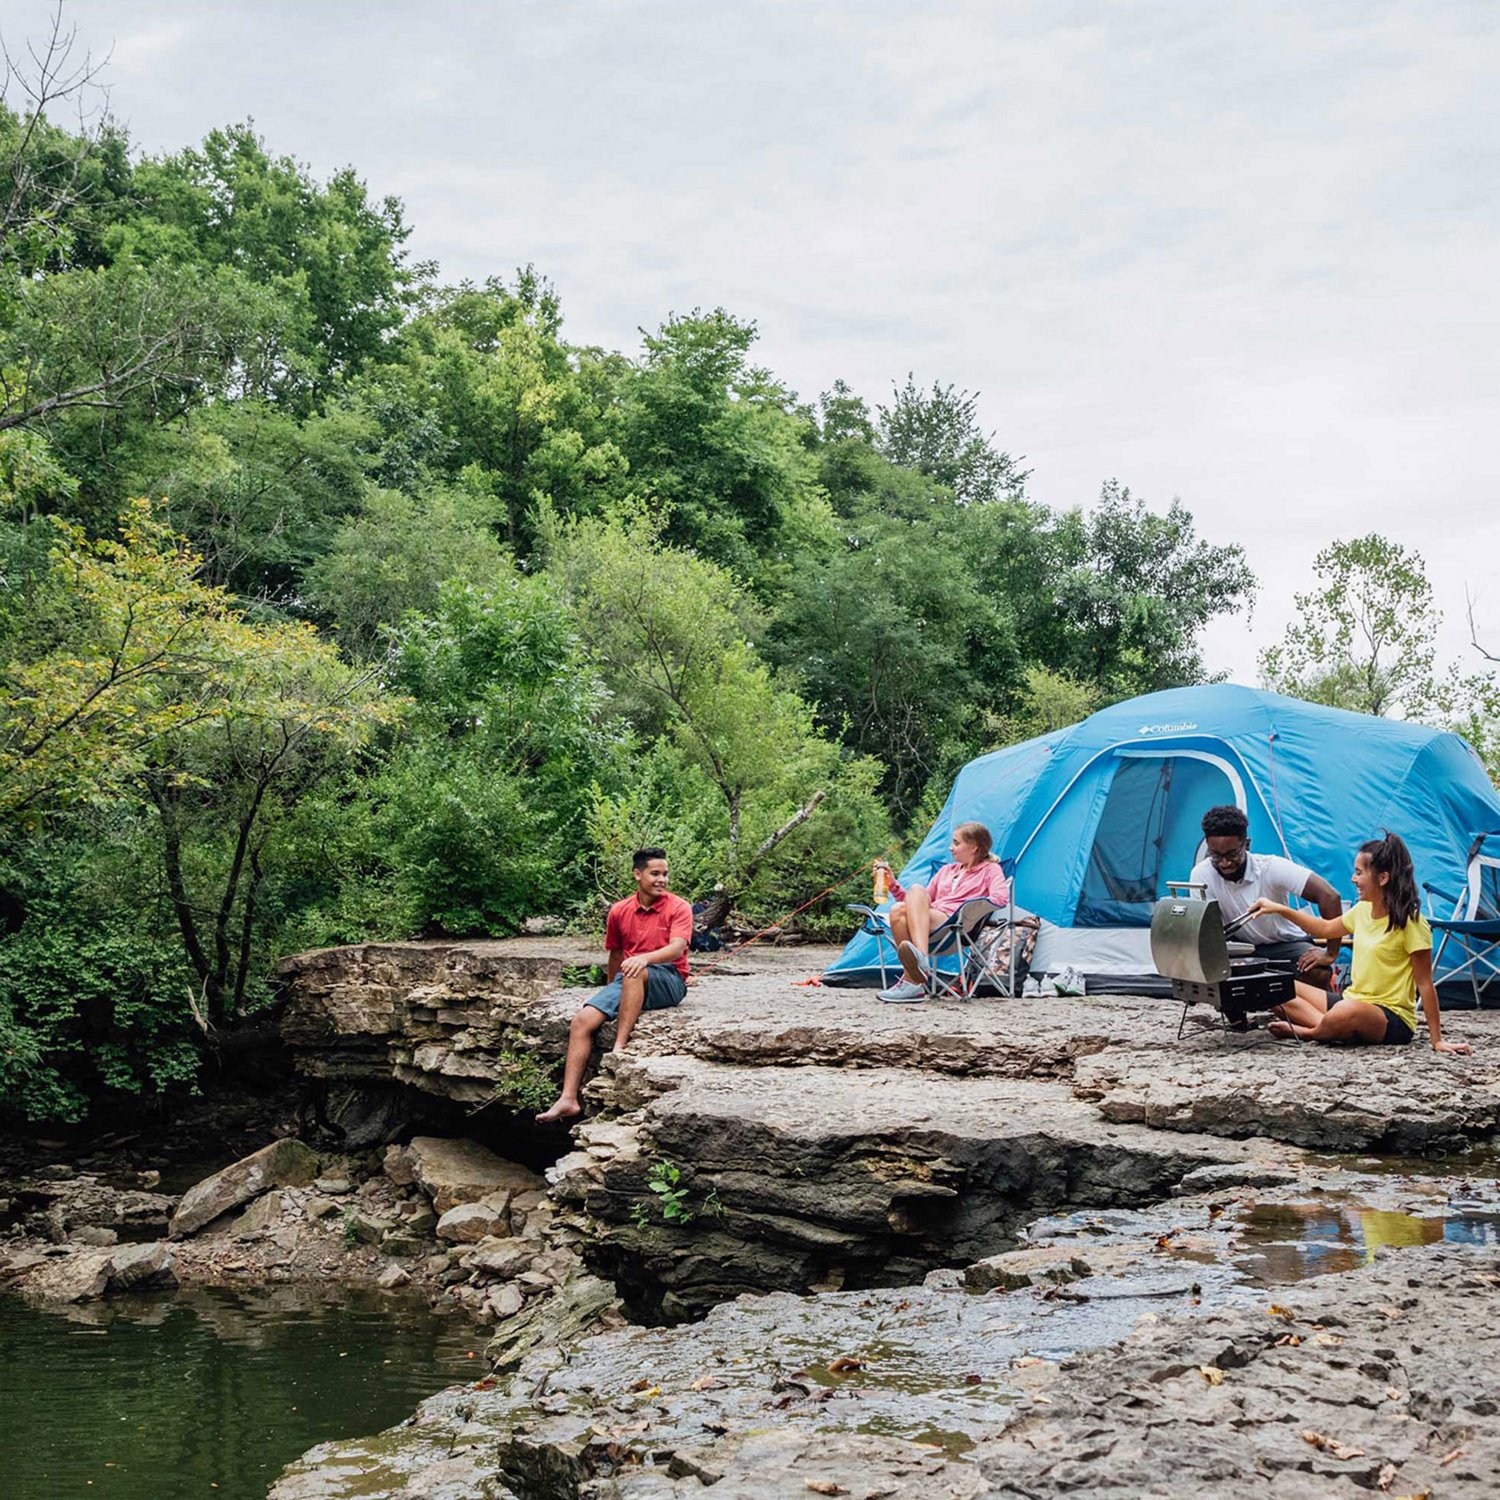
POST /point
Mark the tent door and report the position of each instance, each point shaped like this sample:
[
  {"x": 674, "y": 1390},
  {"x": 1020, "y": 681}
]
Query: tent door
[{"x": 1148, "y": 831}]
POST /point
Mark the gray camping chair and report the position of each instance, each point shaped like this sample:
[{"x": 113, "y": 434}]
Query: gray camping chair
[
  {"x": 960, "y": 956},
  {"x": 1473, "y": 924}
]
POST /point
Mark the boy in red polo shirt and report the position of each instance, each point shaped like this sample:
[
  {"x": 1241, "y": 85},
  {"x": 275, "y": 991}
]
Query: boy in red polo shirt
[{"x": 647, "y": 937}]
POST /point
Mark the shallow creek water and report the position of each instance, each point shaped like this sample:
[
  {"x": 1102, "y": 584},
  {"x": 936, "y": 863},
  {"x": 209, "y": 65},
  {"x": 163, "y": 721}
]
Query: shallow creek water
[{"x": 208, "y": 1392}]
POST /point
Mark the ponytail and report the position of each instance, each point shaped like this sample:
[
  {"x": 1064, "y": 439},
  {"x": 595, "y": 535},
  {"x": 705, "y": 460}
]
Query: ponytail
[
  {"x": 978, "y": 835},
  {"x": 1390, "y": 857}
]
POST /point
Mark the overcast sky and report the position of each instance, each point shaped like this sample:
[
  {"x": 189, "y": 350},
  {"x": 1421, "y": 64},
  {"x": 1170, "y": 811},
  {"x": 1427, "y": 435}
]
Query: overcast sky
[{"x": 1235, "y": 251}]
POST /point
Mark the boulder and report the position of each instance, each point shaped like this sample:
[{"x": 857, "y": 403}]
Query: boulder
[
  {"x": 93, "y": 1234},
  {"x": 75, "y": 1278},
  {"x": 392, "y": 1277},
  {"x": 499, "y": 1260},
  {"x": 284, "y": 1163},
  {"x": 505, "y": 1302},
  {"x": 407, "y": 1246},
  {"x": 260, "y": 1218},
  {"x": 468, "y": 1223},
  {"x": 135, "y": 1267},
  {"x": 366, "y": 1228},
  {"x": 91, "y": 1273},
  {"x": 460, "y": 1171},
  {"x": 1014, "y": 1269},
  {"x": 398, "y": 1166}
]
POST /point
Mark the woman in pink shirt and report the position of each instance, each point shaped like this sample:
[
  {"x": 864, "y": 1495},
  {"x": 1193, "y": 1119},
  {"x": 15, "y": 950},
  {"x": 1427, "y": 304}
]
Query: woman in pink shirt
[{"x": 973, "y": 873}]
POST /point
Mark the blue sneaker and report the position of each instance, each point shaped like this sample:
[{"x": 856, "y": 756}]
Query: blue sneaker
[{"x": 908, "y": 992}]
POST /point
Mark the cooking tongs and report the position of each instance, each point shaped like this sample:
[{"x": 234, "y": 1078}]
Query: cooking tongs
[{"x": 1234, "y": 924}]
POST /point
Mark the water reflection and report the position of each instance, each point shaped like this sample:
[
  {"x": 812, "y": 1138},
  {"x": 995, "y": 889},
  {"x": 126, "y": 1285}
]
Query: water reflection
[
  {"x": 206, "y": 1392},
  {"x": 1293, "y": 1241}
]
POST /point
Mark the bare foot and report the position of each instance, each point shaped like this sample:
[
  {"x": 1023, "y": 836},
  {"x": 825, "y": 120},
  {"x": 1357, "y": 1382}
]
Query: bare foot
[
  {"x": 1282, "y": 1030},
  {"x": 564, "y": 1109}
]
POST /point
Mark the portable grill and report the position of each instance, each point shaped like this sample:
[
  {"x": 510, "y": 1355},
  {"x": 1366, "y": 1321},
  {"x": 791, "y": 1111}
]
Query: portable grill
[{"x": 1189, "y": 947}]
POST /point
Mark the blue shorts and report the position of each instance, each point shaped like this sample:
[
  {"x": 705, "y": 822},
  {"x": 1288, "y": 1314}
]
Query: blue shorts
[{"x": 665, "y": 988}]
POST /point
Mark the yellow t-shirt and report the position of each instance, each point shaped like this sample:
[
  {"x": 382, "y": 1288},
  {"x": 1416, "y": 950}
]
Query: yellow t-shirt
[{"x": 1382, "y": 960}]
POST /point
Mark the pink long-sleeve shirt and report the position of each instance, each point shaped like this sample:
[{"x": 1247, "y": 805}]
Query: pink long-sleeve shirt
[{"x": 953, "y": 885}]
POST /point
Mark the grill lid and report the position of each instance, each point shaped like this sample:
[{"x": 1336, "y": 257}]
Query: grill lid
[{"x": 1187, "y": 941}]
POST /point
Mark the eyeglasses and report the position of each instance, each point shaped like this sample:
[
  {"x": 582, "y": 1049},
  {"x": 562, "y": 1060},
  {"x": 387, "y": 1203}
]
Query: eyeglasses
[{"x": 1229, "y": 860}]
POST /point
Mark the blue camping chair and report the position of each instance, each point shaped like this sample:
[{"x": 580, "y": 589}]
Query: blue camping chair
[
  {"x": 1474, "y": 922},
  {"x": 960, "y": 962}
]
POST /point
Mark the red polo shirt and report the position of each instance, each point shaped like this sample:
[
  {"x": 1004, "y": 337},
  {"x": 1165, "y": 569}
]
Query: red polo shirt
[{"x": 633, "y": 928}]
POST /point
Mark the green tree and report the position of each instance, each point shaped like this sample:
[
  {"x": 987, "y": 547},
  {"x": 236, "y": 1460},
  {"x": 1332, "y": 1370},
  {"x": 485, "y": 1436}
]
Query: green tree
[
  {"x": 1364, "y": 637},
  {"x": 392, "y": 559},
  {"x": 332, "y": 255},
  {"x": 719, "y": 447},
  {"x": 1131, "y": 592},
  {"x": 668, "y": 631},
  {"x": 937, "y": 433},
  {"x": 137, "y": 677}
]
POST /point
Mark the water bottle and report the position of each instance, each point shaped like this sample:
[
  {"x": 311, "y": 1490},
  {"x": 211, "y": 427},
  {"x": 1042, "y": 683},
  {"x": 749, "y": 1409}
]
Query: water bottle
[{"x": 882, "y": 883}]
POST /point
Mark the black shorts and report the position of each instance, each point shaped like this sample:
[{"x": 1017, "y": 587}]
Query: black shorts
[{"x": 1397, "y": 1032}]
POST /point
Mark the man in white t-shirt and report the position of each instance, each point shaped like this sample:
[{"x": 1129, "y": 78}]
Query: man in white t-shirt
[{"x": 1236, "y": 879}]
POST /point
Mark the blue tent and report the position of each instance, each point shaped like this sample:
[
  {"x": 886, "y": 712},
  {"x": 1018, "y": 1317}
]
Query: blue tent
[{"x": 1097, "y": 818}]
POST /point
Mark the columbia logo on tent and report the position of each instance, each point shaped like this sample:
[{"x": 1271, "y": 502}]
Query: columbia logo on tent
[{"x": 1166, "y": 728}]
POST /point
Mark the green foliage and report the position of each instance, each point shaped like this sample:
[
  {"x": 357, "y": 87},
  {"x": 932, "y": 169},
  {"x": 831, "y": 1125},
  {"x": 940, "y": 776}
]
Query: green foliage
[
  {"x": 664, "y": 1180},
  {"x": 392, "y": 558},
  {"x": 716, "y": 445},
  {"x": 93, "y": 989},
  {"x": 1364, "y": 636},
  {"x": 329, "y": 254},
  {"x": 1132, "y": 591},
  {"x": 937, "y": 433},
  {"x": 1049, "y": 701},
  {"x": 524, "y": 1085},
  {"x": 667, "y": 631}
]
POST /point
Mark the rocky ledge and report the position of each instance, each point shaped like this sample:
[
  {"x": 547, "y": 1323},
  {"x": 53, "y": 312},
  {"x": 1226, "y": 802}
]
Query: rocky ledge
[
  {"x": 707, "y": 1180},
  {"x": 455, "y": 1020}
]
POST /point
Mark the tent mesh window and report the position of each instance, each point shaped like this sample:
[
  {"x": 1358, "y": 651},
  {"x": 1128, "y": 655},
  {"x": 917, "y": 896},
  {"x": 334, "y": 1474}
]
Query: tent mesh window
[{"x": 1148, "y": 833}]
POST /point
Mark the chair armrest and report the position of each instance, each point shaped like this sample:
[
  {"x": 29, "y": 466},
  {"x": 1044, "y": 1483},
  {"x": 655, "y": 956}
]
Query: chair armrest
[
  {"x": 1439, "y": 892},
  {"x": 864, "y": 911}
]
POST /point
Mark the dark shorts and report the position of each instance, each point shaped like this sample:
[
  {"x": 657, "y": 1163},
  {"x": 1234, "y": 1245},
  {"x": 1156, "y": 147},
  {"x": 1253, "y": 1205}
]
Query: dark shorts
[
  {"x": 665, "y": 988},
  {"x": 1397, "y": 1032}
]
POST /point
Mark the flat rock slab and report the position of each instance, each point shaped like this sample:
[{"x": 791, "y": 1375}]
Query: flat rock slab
[
  {"x": 87, "y": 1274},
  {"x": 449, "y": 1019},
  {"x": 1348, "y": 1386},
  {"x": 1343, "y": 1387},
  {"x": 1396, "y": 1099},
  {"x": 455, "y": 1171},
  {"x": 716, "y": 1180},
  {"x": 284, "y": 1163},
  {"x": 853, "y": 1385}
]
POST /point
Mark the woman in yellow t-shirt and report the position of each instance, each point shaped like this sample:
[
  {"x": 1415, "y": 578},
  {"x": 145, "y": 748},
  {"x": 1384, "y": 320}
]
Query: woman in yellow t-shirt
[{"x": 1392, "y": 959}]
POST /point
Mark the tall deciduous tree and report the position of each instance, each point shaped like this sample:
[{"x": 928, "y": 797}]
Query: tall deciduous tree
[
  {"x": 668, "y": 631},
  {"x": 1364, "y": 637},
  {"x": 136, "y": 675},
  {"x": 937, "y": 433}
]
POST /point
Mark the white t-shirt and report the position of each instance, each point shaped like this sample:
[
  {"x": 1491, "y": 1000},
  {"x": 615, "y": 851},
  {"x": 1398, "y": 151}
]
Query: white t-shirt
[{"x": 1266, "y": 875}]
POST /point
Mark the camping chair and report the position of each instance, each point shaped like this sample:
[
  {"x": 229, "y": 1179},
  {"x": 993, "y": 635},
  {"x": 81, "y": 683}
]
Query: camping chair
[
  {"x": 960, "y": 962},
  {"x": 1474, "y": 923}
]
